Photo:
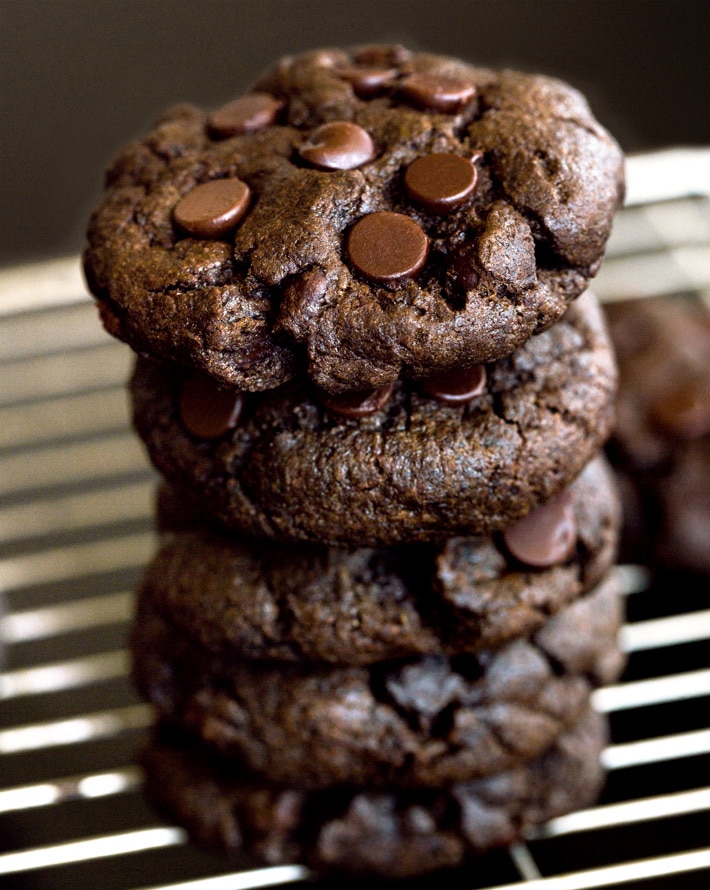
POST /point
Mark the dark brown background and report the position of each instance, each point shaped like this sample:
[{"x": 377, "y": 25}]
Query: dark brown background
[{"x": 80, "y": 77}]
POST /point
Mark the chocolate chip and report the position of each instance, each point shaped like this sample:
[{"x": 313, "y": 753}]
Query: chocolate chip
[
  {"x": 440, "y": 182},
  {"x": 302, "y": 297},
  {"x": 367, "y": 82},
  {"x": 338, "y": 145},
  {"x": 382, "y": 55},
  {"x": 458, "y": 386},
  {"x": 463, "y": 269},
  {"x": 208, "y": 411},
  {"x": 387, "y": 246},
  {"x": 545, "y": 537},
  {"x": 356, "y": 404},
  {"x": 255, "y": 111},
  {"x": 210, "y": 210},
  {"x": 437, "y": 93},
  {"x": 685, "y": 413}
]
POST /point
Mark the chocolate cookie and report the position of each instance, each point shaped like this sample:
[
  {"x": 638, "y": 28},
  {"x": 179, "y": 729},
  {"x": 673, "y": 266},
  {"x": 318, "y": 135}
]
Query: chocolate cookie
[
  {"x": 418, "y": 722},
  {"x": 416, "y": 467},
  {"x": 360, "y": 217},
  {"x": 315, "y": 603},
  {"x": 661, "y": 444},
  {"x": 388, "y": 833}
]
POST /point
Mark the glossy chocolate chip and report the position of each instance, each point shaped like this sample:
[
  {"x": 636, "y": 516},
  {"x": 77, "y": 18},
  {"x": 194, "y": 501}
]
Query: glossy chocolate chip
[
  {"x": 254, "y": 111},
  {"x": 440, "y": 182},
  {"x": 545, "y": 537},
  {"x": 382, "y": 55},
  {"x": 458, "y": 386},
  {"x": 214, "y": 208},
  {"x": 387, "y": 246},
  {"x": 685, "y": 413},
  {"x": 338, "y": 145},
  {"x": 435, "y": 92},
  {"x": 357, "y": 404},
  {"x": 367, "y": 82},
  {"x": 208, "y": 411}
]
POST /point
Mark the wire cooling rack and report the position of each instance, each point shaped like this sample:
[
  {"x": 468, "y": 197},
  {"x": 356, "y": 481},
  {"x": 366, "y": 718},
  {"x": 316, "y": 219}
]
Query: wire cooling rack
[{"x": 75, "y": 528}]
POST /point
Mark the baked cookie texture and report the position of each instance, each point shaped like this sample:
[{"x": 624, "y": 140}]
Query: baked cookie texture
[
  {"x": 386, "y": 833},
  {"x": 371, "y": 377},
  {"x": 661, "y": 442},
  {"x": 420, "y": 722},
  {"x": 414, "y": 470},
  {"x": 363, "y": 605},
  {"x": 358, "y": 216}
]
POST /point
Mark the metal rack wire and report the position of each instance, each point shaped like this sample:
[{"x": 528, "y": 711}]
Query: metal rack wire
[{"x": 75, "y": 529}]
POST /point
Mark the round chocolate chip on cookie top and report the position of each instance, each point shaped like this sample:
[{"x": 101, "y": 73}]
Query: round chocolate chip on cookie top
[
  {"x": 338, "y": 145},
  {"x": 446, "y": 212},
  {"x": 387, "y": 246},
  {"x": 440, "y": 182},
  {"x": 212, "y": 209},
  {"x": 437, "y": 92},
  {"x": 249, "y": 113},
  {"x": 368, "y": 81}
]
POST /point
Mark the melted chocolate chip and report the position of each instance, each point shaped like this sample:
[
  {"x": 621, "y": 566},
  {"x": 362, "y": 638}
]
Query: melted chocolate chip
[
  {"x": 685, "y": 413},
  {"x": 214, "y": 208},
  {"x": 367, "y": 82},
  {"x": 338, "y": 145},
  {"x": 356, "y": 404},
  {"x": 254, "y": 111},
  {"x": 458, "y": 386},
  {"x": 440, "y": 182},
  {"x": 435, "y": 92},
  {"x": 463, "y": 269},
  {"x": 208, "y": 411},
  {"x": 545, "y": 537},
  {"x": 302, "y": 296},
  {"x": 387, "y": 246}
]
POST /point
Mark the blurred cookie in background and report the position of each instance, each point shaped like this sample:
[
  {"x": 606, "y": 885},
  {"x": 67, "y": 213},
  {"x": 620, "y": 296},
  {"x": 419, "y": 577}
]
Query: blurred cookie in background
[{"x": 661, "y": 445}]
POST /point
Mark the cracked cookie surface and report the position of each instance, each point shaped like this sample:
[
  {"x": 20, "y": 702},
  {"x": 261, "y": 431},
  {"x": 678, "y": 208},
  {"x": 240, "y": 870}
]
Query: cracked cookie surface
[
  {"x": 357, "y": 606},
  {"x": 390, "y": 834},
  {"x": 415, "y": 468},
  {"x": 422, "y": 722},
  {"x": 387, "y": 215}
]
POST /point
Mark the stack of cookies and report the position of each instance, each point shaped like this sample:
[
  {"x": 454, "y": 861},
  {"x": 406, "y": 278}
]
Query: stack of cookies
[{"x": 382, "y": 597}]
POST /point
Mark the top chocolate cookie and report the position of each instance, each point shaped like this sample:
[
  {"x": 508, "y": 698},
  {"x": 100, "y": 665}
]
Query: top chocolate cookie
[{"x": 360, "y": 215}]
